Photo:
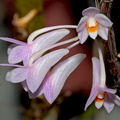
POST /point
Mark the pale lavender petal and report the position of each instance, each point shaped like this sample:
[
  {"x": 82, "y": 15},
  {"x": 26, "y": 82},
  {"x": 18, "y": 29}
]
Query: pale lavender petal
[
  {"x": 40, "y": 90},
  {"x": 108, "y": 90},
  {"x": 83, "y": 35},
  {"x": 98, "y": 105},
  {"x": 93, "y": 94},
  {"x": 40, "y": 68},
  {"x": 108, "y": 103},
  {"x": 46, "y": 29},
  {"x": 48, "y": 39},
  {"x": 103, "y": 32},
  {"x": 24, "y": 85},
  {"x": 91, "y": 11},
  {"x": 115, "y": 99},
  {"x": 16, "y": 54},
  {"x": 93, "y": 35},
  {"x": 8, "y": 74},
  {"x": 96, "y": 71},
  {"x": 59, "y": 74},
  {"x": 16, "y": 75},
  {"x": 11, "y": 47},
  {"x": 103, "y": 20},
  {"x": 12, "y": 40},
  {"x": 82, "y": 23}
]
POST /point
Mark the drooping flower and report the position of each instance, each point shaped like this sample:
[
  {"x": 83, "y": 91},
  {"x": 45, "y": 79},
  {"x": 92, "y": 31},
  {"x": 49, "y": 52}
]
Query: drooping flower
[
  {"x": 54, "y": 81},
  {"x": 93, "y": 23},
  {"x": 35, "y": 72},
  {"x": 21, "y": 51},
  {"x": 102, "y": 95}
]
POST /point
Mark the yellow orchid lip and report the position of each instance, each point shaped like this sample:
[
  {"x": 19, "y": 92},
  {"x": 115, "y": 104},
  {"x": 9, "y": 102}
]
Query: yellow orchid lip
[{"x": 92, "y": 25}]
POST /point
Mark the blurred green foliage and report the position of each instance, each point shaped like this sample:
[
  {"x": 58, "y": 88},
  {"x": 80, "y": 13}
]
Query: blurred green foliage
[{"x": 23, "y": 7}]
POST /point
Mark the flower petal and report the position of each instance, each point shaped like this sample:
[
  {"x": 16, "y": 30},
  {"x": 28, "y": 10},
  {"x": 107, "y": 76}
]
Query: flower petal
[
  {"x": 16, "y": 54},
  {"x": 93, "y": 35},
  {"x": 48, "y": 39},
  {"x": 96, "y": 71},
  {"x": 58, "y": 76},
  {"x": 91, "y": 11},
  {"x": 98, "y": 105},
  {"x": 115, "y": 98},
  {"x": 16, "y": 75},
  {"x": 83, "y": 35},
  {"x": 40, "y": 68},
  {"x": 108, "y": 90},
  {"x": 82, "y": 23},
  {"x": 103, "y": 32},
  {"x": 108, "y": 103},
  {"x": 24, "y": 85},
  {"x": 103, "y": 20},
  {"x": 12, "y": 40},
  {"x": 11, "y": 47},
  {"x": 46, "y": 29},
  {"x": 93, "y": 94}
]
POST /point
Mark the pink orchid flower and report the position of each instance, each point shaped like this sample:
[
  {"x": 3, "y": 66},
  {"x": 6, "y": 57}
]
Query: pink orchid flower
[
  {"x": 100, "y": 93},
  {"x": 35, "y": 72},
  {"x": 54, "y": 81},
  {"x": 21, "y": 51},
  {"x": 93, "y": 23}
]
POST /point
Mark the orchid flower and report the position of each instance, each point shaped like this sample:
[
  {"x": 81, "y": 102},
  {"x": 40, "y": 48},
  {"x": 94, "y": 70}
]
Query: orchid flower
[
  {"x": 100, "y": 92},
  {"x": 34, "y": 73},
  {"x": 54, "y": 81},
  {"x": 93, "y": 23},
  {"x": 21, "y": 51}
]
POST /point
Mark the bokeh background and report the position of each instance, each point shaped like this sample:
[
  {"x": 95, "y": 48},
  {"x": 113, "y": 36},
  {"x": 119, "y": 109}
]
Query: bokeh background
[{"x": 14, "y": 101}]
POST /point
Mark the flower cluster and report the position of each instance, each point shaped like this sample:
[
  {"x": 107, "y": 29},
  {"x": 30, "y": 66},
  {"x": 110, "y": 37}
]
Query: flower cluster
[
  {"x": 39, "y": 74},
  {"x": 44, "y": 71}
]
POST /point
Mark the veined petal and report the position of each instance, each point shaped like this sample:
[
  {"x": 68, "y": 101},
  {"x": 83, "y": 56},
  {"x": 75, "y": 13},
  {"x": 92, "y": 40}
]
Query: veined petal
[
  {"x": 103, "y": 32},
  {"x": 108, "y": 103},
  {"x": 16, "y": 54},
  {"x": 91, "y": 11},
  {"x": 103, "y": 20},
  {"x": 83, "y": 35},
  {"x": 16, "y": 75},
  {"x": 40, "y": 68},
  {"x": 82, "y": 23},
  {"x": 48, "y": 39},
  {"x": 96, "y": 71},
  {"x": 93, "y": 94},
  {"x": 58, "y": 76}
]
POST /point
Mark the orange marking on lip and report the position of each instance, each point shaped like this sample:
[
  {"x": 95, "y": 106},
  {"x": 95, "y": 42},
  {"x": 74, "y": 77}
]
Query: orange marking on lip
[
  {"x": 92, "y": 25},
  {"x": 92, "y": 29},
  {"x": 99, "y": 100},
  {"x": 100, "y": 97}
]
